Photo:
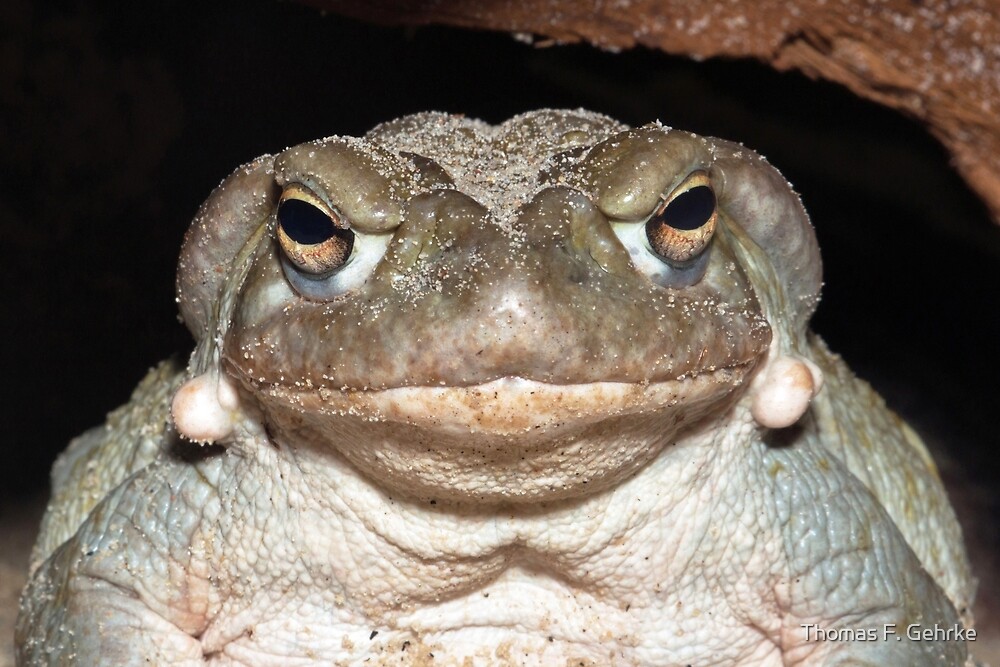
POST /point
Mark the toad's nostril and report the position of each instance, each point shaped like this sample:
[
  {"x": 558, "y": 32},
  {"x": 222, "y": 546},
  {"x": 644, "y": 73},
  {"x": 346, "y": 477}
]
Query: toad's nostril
[{"x": 564, "y": 218}]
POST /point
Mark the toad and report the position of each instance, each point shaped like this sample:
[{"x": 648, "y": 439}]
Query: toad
[{"x": 529, "y": 394}]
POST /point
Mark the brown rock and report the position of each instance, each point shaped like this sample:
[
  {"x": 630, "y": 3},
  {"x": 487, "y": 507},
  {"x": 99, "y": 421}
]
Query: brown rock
[{"x": 936, "y": 60}]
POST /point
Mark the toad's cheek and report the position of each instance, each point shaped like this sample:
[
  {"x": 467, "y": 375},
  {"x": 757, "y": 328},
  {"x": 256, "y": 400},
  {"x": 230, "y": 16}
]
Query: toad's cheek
[
  {"x": 784, "y": 392},
  {"x": 206, "y": 408}
]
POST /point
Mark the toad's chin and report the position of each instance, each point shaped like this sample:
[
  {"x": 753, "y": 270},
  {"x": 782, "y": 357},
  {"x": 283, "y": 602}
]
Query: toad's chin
[{"x": 507, "y": 440}]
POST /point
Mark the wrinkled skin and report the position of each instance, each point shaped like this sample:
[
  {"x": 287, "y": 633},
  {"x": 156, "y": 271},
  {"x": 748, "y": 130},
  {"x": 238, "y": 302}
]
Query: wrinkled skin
[{"x": 506, "y": 432}]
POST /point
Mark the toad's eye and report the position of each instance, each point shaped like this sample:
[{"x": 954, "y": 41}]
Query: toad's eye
[
  {"x": 313, "y": 236},
  {"x": 682, "y": 225}
]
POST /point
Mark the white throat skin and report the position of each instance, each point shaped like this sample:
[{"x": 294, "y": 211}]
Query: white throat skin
[
  {"x": 444, "y": 528},
  {"x": 440, "y": 566}
]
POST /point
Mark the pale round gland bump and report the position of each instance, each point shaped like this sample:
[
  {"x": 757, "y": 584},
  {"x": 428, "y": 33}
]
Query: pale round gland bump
[
  {"x": 204, "y": 407},
  {"x": 785, "y": 392}
]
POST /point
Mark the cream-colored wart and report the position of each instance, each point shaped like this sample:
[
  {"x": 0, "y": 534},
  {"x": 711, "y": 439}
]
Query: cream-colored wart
[
  {"x": 784, "y": 390},
  {"x": 206, "y": 408}
]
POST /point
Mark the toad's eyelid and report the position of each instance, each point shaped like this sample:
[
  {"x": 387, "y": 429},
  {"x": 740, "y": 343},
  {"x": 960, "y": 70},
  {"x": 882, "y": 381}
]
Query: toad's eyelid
[{"x": 305, "y": 192}]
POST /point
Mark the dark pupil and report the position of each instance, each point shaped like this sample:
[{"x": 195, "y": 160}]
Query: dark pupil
[
  {"x": 304, "y": 223},
  {"x": 691, "y": 209}
]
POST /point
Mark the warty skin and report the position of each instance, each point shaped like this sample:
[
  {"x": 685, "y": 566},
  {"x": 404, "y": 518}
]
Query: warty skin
[{"x": 512, "y": 428}]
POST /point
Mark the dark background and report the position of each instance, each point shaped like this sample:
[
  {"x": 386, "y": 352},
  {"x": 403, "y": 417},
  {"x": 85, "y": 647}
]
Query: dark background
[{"x": 116, "y": 124}]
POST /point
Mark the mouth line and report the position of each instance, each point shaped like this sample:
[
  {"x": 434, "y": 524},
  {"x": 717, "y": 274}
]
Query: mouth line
[{"x": 511, "y": 405}]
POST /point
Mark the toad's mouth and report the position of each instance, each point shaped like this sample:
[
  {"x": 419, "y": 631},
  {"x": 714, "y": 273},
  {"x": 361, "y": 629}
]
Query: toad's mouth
[
  {"x": 510, "y": 439},
  {"x": 509, "y": 406}
]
